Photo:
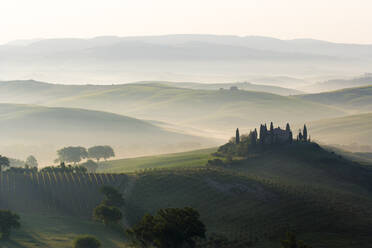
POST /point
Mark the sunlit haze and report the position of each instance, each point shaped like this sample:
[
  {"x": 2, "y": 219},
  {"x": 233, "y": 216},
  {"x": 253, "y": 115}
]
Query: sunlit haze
[{"x": 333, "y": 20}]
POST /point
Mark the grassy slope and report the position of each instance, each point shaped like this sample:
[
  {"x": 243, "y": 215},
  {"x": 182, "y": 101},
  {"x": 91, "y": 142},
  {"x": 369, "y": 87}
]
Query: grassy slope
[
  {"x": 206, "y": 108},
  {"x": 59, "y": 232},
  {"x": 318, "y": 193},
  {"x": 55, "y": 207},
  {"x": 343, "y": 130},
  {"x": 176, "y": 160},
  {"x": 357, "y": 99},
  {"x": 58, "y": 127},
  {"x": 327, "y": 199},
  {"x": 210, "y": 109}
]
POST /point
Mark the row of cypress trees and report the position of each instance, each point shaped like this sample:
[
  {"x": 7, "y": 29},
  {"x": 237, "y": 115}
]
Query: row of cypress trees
[{"x": 302, "y": 135}]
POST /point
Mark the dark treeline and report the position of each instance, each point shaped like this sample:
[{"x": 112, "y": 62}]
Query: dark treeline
[{"x": 66, "y": 155}]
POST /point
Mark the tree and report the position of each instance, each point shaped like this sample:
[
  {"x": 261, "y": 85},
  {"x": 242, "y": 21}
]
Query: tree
[
  {"x": 98, "y": 152},
  {"x": 253, "y": 137},
  {"x": 300, "y": 136},
  {"x": 290, "y": 137},
  {"x": 113, "y": 197},
  {"x": 237, "y": 137},
  {"x": 86, "y": 242},
  {"x": 4, "y": 162},
  {"x": 288, "y": 128},
  {"x": 109, "y": 152},
  {"x": 107, "y": 214},
  {"x": 292, "y": 242},
  {"x": 72, "y": 154},
  {"x": 31, "y": 161},
  {"x": 8, "y": 220},
  {"x": 261, "y": 134},
  {"x": 271, "y": 133},
  {"x": 90, "y": 165},
  {"x": 170, "y": 227},
  {"x": 304, "y": 133}
]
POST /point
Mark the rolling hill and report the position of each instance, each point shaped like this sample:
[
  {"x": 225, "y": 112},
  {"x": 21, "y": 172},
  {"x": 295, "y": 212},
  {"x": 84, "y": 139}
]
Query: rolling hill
[
  {"x": 220, "y": 111},
  {"x": 27, "y": 126},
  {"x": 354, "y": 99},
  {"x": 343, "y": 130},
  {"x": 217, "y": 111},
  {"x": 337, "y": 84},
  {"x": 324, "y": 197},
  {"x": 254, "y": 201}
]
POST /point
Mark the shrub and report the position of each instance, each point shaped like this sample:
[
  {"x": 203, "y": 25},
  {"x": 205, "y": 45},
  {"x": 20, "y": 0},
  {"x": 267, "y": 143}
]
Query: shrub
[
  {"x": 86, "y": 242},
  {"x": 8, "y": 220}
]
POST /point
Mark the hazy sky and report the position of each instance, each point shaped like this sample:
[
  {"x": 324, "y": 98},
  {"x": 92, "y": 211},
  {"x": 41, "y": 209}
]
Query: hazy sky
[{"x": 334, "y": 20}]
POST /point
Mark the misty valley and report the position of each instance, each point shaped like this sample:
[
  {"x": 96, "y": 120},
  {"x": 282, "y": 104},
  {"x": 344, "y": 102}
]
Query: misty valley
[{"x": 185, "y": 141}]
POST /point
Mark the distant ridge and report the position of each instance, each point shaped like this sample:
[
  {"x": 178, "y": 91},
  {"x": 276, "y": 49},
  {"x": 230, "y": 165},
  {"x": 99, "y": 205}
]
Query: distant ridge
[
  {"x": 337, "y": 84},
  {"x": 226, "y": 86},
  {"x": 218, "y": 58}
]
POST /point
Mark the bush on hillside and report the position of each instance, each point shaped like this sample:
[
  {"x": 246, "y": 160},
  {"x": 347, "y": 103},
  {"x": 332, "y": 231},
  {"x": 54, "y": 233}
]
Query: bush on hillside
[
  {"x": 170, "y": 227},
  {"x": 21, "y": 170},
  {"x": 112, "y": 197},
  {"x": 65, "y": 168},
  {"x": 86, "y": 242},
  {"x": 215, "y": 162},
  {"x": 292, "y": 242},
  {"x": 107, "y": 214}
]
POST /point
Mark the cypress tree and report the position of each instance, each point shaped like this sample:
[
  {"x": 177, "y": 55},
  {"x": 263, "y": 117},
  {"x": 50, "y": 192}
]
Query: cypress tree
[
  {"x": 288, "y": 128},
  {"x": 271, "y": 133},
  {"x": 255, "y": 135},
  {"x": 305, "y": 133},
  {"x": 261, "y": 134},
  {"x": 237, "y": 136}
]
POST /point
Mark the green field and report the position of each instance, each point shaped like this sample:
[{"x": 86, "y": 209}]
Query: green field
[
  {"x": 196, "y": 158},
  {"x": 57, "y": 231}
]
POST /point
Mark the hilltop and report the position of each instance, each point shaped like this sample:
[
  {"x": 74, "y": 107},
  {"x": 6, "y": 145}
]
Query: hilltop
[
  {"x": 318, "y": 193},
  {"x": 354, "y": 99},
  {"x": 31, "y": 126},
  {"x": 227, "y": 86}
]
